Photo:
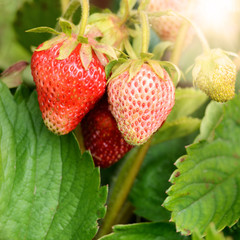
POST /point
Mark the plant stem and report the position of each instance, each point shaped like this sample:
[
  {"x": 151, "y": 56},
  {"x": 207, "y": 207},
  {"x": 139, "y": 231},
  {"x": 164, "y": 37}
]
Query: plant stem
[
  {"x": 199, "y": 33},
  {"x": 72, "y": 7},
  {"x": 84, "y": 18},
  {"x": 122, "y": 186},
  {"x": 130, "y": 50},
  {"x": 145, "y": 31},
  {"x": 126, "y": 13},
  {"x": 64, "y": 4},
  {"x": 143, "y": 4},
  {"x": 179, "y": 44}
]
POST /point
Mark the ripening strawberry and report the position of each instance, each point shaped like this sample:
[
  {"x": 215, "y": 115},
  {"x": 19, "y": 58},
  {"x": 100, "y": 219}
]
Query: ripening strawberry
[
  {"x": 66, "y": 90},
  {"x": 215, "y": 74},
  {"x": 102, "y": 137},
  {"x": 141, "y": 104},
  {"x": 167, "y": 27}
]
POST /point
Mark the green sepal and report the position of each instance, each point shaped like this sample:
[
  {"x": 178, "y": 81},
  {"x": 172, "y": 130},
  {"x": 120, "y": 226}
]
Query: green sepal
[
  {"x": 172, "y": 70},
  {"x": 67, "y": 27},
  {"x": 162, "y": 13},
  {"x": 43, "y": 30},
  {"x": 86, "y": 55},
  {"x": 111, "y": 64},
  {"x": 129, "y": 49},
  {"x": 71, "y": 9},
  {"x": 135, "y": 68},
  {"x": 155, "y": 65},
  {"x": 160, "y": 49},
  {"x": 50, "y": 43},
  {"x": 93, "y": 18},
  {"x": 105, "y": 49},
  {"x": 94, "y": 32},
  {"x": 102, "y": 58},
  {"x": 122, "y": 68},
  {"x": 82, "y": 39},
  {"x": 67, "y": 47},
  {"x": 146, "y": 56}
]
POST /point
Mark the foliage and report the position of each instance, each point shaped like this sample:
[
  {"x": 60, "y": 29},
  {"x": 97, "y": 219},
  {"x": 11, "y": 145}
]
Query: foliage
[{"x": 49, "y": 187}]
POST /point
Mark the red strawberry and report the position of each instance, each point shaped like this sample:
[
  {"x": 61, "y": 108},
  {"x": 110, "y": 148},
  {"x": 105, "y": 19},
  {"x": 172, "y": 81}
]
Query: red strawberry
[
  {"x": 167, "y": 27},
  {"x": 102, "y": 137},
  {"x": 66, "y": 90},
  {"x": 140, "y": 104}
]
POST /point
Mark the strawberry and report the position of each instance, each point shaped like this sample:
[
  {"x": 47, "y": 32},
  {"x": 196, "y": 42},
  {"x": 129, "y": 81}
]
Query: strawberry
[
  {"x": 215, "y": 74},
  {"x": 102, "y": 137},
  {"x": 167, "y": 27},
  {"x": 66, "y": 89},
  {"x": 141, "y": 102}
]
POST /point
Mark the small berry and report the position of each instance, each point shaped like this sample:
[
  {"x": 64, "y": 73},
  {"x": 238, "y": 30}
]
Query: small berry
[
  {"x": 102, "y": 137},
  {"x": 215, "y": 74}
]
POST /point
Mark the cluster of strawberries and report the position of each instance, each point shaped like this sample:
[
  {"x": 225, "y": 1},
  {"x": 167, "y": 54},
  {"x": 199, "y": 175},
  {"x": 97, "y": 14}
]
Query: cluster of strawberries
[{"x": 116, "y": 113}]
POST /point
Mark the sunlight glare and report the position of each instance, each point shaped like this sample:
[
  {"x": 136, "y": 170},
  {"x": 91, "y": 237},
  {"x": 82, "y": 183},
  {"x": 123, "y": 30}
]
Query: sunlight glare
[{"x": 215, "y": 14}]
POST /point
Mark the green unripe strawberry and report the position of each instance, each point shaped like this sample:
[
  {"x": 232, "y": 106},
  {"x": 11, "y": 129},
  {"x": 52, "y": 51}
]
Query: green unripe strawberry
[{"x": 215, "y": 74}]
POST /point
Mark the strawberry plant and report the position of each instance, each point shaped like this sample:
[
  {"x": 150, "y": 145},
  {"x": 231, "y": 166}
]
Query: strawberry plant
[{"x": 118, "y": 123}]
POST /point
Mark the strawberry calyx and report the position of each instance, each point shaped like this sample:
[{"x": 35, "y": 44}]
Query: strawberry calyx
[
  {"x": 72, "y": 35},
  {"x": 133, "y": 66},
  {"x": 70, "y": 40}
]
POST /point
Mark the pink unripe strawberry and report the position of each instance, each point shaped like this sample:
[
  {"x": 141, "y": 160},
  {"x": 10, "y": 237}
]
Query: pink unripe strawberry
[
  {"x": 167, "y": 27},
  {"x": 140, "y": 104}
]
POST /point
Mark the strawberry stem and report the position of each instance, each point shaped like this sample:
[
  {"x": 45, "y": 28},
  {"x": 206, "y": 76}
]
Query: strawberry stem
[
  {"x": 143, "y": 4},
  {"x": 199, "y": 33},
  {"x": 84, "y": 18},
  {"x": 126, "y": 13},
  {"x": 70, "y": 10},
  {"x": 122, "y": 187},
  {"x": 145, "y": 31},
  {"x": 180, "y": 40},
  {"x": 64, "y": 5}
]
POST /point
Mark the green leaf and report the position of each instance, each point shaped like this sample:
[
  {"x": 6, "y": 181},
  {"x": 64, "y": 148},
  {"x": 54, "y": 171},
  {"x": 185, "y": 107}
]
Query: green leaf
[
  {"x": 211, "y": 234},
  {"x": 213, "y": 115},
  {"x": 149, "y": 189},
  {"x": 43, "y": 30},
  {"x": 144, "y": 231},
  {"x": 187, "y": 101},
  {"x": 66, "y": 26},
  {"x": 206, "y": 183},
  {"x": 48, "y": 190},
  {"x": 176, "y": 129}
]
